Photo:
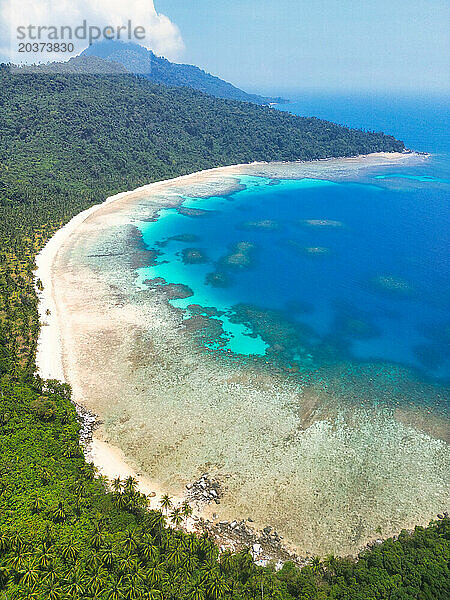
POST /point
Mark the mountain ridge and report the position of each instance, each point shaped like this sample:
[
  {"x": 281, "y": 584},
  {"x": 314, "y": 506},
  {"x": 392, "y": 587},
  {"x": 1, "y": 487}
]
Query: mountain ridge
[{"x": 138, "y": 60}]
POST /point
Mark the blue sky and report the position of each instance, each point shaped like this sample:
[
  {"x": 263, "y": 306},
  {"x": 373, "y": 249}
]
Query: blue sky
[
  {"x": 339, "y": 45},
  {"x": 270, "y": 46}
]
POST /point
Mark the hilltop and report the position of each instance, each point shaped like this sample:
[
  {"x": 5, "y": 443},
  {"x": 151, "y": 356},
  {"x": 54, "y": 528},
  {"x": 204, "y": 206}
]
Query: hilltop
[{"x": 137, "y": 59}]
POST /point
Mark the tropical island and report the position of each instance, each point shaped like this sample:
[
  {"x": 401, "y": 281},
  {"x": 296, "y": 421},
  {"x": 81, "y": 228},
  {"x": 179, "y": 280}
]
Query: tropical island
[{"x": 68, "y": 143}]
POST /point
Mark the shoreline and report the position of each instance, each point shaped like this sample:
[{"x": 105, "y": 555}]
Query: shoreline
[
  {"x": 109, "y": 459},
  {"x": 48, "y": 363}
]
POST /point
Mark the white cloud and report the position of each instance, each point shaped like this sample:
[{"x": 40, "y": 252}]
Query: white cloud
[{"x": 161, "y": 35}]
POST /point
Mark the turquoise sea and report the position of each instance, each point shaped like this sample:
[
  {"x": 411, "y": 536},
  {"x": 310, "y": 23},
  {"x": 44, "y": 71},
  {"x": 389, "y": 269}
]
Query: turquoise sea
[{"x": 315, "y": 272}]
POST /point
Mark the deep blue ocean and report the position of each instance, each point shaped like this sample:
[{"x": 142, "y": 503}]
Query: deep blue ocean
[{"x": 314, "y": 272}]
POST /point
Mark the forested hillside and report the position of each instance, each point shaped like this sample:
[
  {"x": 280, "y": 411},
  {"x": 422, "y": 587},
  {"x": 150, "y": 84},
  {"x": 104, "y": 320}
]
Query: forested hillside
[
  {"x": 87, "y": 133},
  {"x": 67, "y": 142}
]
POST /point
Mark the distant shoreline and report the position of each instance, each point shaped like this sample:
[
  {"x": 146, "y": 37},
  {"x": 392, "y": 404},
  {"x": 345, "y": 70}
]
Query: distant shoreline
[{"x": 51, "y": 361}]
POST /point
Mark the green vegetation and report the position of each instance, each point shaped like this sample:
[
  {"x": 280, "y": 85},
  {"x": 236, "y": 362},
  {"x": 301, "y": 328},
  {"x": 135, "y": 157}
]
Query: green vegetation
[
  {"x": 67, "y": 142},
  {"x": 64, "y": 535}
]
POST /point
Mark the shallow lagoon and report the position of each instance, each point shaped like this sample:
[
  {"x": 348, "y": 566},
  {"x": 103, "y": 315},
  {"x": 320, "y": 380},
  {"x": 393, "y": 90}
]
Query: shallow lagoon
[{"x": 358, "y": 270}]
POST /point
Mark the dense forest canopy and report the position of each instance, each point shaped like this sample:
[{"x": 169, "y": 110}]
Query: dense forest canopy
[
  {"x": 66, "y": 132},
  {"x": 67, "y": 142}
]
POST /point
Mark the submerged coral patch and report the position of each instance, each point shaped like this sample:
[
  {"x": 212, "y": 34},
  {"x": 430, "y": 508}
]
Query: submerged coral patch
[
  {"x": 176, "y": 290},
  {"x": 218, "y": 279},
  {"x": 240, "y": 256},
  {"x": 187, "y": 238},
  {"x": 194, "y": 256},
  {"x": 264, "y": 225},
  {"x": 392, "y": 284},
  {"x": 192, "y": 212},
  {"x": 316, "y": 251},
  {"x": 321, "y": 223}
]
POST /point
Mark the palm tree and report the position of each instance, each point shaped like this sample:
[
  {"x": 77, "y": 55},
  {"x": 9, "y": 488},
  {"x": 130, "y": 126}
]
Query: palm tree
[
  {"x": 153, "y": 594},
  {"x": 209, "y": 570},
  {"x": 217, "y": 587},
  {"x": 196, "y": 592},
  {"x": 108, "y": 557},
  {"x": 130, "y": 541},
  {"x": 31, "y": 594},
  {"x": 93, "y": 561},
  {"x": 98, "y": 580},
  {"x": 156, "y": 520},
  {"x": 31, "y": 574},
  {"x": 330, "y": 563},
  {"x": 148, "y": 550},
  {"x": 130, "y": 485},
  {"x": 203, "y": 546},
  {"x": 176, "y": 517},
  {"x": 37, "y": 504},
  {"x": 121, "y": 500},
  {"x": 211, "y": 552},
  {"x": 74, "y": 588},
  {"x": 245, "y": 562},
  {"x": 186, "y": 509},
  {"x": 175, "y": 556},
  {"x": 138, "y": 576},
  {"x": 51, "y": 575},
  {"x": 89, "y": 470},
  {"x": 18, "y": 542},
  {"x": 69, "y": 551},
  {"x": 5, "y": 542},
  {"x": 156, "y": 575},
  {"x": 59, "y": 514},
  {"x": 190, "y": 542},
  {"x": 226, "y": 561},
  {"x": 54, "y": 592},
  {"x": 4, "y": 576},
  {"x": 172, "y": 584},
  {"x": 103, "y": 480},
  {"x": 166, "y": 503},
  {"x": 134, "y": 590},
  {"x": 316, "y": 566},
  {"x": 127, "y": 565},
  {"x": 116, "y": 591},
  {"x": 98, "y": 537},
  {"x": 190, "y": 562},
  {"x": 18, "y": 561},
  {"x": 135, "y": 500},
  {"x": 117, "y": 485},
  {"x": 80, "y": 488}
]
